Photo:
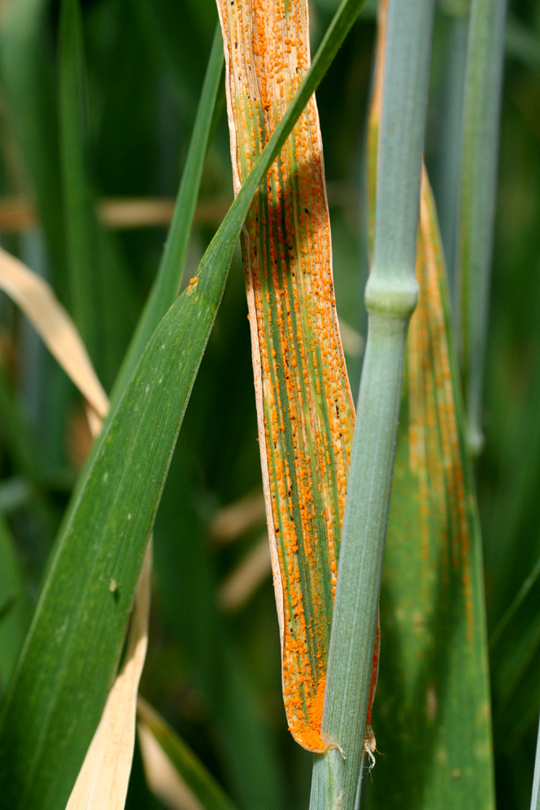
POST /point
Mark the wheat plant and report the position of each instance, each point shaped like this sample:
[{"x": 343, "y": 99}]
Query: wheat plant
[{"x": 167, "y": 450}]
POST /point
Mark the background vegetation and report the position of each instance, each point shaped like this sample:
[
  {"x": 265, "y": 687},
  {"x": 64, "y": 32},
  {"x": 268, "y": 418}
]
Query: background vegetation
[{"x": 212, "y": 671}]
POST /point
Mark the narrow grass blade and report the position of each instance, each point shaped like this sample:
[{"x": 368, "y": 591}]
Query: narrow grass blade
[
  {"x": 509, "y": 616},
  {"x": 191, "y": 775},
  {"x": 105, "y": 773},
  {"x": 304, "y": 404},
  {"x": 522, "y": 43},
  {"x": 14, "y": 429},
  {"x": 76, "y": 637},
  {"x": 19, "y": 442},
  {"x": 98, "y": 282},
  {"x": 186, "y": 571},
  {"x": 28, "y": 80},
  {"x": 80, "y": 223},
  {"x": 243, "y": 733},
  {"x": 390, "y": 297},
  {"x": 480, "y": 147},
  {"x": 447, "y": 187},
  {"x": 168, "y": 280}
]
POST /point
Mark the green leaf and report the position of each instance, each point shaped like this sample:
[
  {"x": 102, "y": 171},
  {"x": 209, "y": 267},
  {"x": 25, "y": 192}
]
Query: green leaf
[
  {"x": 75, "y": 641},
  {"x": 80, "y": 219}
]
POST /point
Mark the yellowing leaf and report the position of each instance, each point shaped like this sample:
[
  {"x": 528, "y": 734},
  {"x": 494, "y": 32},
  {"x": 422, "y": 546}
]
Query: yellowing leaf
[
  {"x": 304, "y": 405},
  {"x": 55, "y": 327}
]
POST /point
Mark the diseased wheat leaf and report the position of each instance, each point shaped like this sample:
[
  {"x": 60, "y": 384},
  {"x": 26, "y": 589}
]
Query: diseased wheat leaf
[{"x": 305, "y": 409}]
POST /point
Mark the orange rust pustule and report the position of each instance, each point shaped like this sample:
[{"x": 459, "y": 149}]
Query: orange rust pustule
[
  {"x": 304, "y": 405},
  {"x": 309, "y": 736}
]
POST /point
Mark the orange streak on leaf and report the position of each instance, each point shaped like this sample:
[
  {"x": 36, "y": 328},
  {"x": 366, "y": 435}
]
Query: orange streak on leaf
[
  {"x": 431, "y": 403},
  {"x": 304, "y": 405}
]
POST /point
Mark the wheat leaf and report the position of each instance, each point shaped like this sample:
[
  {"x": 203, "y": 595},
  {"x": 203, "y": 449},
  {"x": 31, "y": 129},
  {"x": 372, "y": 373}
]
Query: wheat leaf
[{"x": 304, "y": 404}]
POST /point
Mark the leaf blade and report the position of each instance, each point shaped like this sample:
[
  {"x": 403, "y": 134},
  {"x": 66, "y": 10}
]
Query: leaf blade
[{"x": 304, "y": 403}]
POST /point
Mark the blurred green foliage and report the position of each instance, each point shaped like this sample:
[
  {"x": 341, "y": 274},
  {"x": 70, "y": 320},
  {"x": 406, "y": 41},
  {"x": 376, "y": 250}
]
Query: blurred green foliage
[{"x": 216, "y": 676}]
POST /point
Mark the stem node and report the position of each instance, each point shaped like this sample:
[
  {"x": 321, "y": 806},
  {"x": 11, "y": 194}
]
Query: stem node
[{"x": 393, "y": 296}]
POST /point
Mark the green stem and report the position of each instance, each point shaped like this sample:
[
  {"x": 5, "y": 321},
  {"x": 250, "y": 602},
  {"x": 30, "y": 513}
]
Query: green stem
[
  {"x": 478, "y": 195},
  {"x": 390, "y": 298}
]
